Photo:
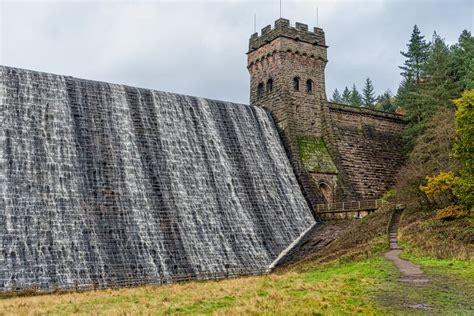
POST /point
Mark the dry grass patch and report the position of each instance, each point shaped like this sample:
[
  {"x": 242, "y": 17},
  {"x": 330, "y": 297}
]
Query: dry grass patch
[
  {"x": 365, "y": 238},
  {"x": 329, "y": 289}
]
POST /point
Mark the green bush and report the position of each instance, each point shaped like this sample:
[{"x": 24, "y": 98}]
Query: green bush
[{"x": 464, "y": 148}]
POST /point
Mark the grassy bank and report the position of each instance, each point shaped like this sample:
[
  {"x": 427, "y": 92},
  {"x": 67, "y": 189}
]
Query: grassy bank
[
  {"x": 368, "y": 287},
  {"x": 422, "y": 234},
  {"x": 363, "y": 239}
]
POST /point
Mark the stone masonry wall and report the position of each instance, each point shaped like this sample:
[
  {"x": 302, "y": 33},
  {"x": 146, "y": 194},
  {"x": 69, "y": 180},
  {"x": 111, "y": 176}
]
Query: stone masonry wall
[{"x": 367, "y": 147}]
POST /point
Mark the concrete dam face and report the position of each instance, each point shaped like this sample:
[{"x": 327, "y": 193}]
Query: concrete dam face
[{"x": 105, "y": 185}]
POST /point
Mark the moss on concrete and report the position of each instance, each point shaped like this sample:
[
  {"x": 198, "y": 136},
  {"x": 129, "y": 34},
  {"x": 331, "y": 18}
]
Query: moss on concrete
[{"x": 315, "y": 155}]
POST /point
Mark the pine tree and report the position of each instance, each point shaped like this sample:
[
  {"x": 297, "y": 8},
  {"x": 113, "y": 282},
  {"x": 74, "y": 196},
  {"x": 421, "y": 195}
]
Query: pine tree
[
  {"x": 356, "y": 97},
  {"x": 444, "y": 74},
  {"x": 438, "y": 87},
  {"x": 368, "y": 94},
  {"x": 462, "y": 62},
  {"x": 409, "y": 95},
  {"x": 416, "y": 56},
  {"x": 408, "y": 98},
  {"x": 336, "y": 96},
  {"x": 346, "y": 96}
]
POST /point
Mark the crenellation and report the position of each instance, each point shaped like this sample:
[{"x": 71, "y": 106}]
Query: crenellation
[
  {"x": 301, "y": 26},
  {"x": 266, "y": 29},
  {"x": 320, "y": 34},
  {"x": 283, "y": 28},
  {"x": 282, "y": 23}
]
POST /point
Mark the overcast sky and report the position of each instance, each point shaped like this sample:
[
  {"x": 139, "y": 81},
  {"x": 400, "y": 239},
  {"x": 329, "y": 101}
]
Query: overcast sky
[{"x": 198, "y": 47}]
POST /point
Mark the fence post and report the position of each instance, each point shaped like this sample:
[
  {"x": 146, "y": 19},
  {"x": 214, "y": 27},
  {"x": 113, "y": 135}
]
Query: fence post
[{"x": 359, "y": 205}]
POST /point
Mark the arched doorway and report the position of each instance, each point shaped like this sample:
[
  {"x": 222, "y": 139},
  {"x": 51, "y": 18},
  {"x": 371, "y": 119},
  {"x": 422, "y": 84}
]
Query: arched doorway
[{"x": 326, "y": 191}]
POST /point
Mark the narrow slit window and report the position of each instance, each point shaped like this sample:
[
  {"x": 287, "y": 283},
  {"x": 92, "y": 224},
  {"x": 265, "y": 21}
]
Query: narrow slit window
[
  {"x": 270, "y": 85},
  {"x": 296, "y": 84},
  {"x": 309, "y": 86},
  {"x": 260, "y": 90}
]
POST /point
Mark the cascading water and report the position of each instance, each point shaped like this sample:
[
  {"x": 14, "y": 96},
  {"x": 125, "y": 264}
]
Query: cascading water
[{"x": 105, "y": 185}]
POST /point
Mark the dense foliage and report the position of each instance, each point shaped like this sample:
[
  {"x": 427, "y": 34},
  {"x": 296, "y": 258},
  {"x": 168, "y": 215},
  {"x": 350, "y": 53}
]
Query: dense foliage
[
  {"x": 431, "y": 154},
  {"x": 464, "y": 148},
  {"x": 441, "y": 77},
  {"x": 437, "y": 97},
  {"x": 440, "y": 188}
]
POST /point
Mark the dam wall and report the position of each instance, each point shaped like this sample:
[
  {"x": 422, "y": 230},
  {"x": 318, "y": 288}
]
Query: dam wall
[
  {"x": 367, "y": 148},
  {"x": 108, "y": 185}
]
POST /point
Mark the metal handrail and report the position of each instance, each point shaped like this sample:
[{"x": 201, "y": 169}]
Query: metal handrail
[{"x": 350, "y": 206}]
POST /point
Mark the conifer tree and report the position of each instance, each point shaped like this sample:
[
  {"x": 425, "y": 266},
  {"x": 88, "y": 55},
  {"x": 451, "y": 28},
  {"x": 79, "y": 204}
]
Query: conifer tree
[
  {"x": 409, "y": 95},
  {"x": 438, "y": 88},
  {"x": 368, "y": 94},
  {"x": 346, "y": 96},
  {"x": 416, "y": 56},
  {"x": 462, "y": 62},
  {"x": 336, "y": 96},
  {"x": 356, "y": 97}
]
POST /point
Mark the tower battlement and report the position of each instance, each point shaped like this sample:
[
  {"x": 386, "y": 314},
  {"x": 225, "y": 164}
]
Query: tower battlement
[{"x": 282, "y": 28}]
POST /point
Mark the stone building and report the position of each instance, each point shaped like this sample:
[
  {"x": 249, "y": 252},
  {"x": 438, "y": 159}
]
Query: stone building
[{"x": 338, "y": 152}]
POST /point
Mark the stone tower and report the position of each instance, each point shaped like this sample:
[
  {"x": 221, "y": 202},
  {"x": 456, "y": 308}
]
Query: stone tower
[
  {"x": 286, "y": 66},
  {"x": 338, "y": 152}
]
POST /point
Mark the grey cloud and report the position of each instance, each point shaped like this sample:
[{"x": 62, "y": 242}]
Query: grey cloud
[{"x": 198, "y": 48}]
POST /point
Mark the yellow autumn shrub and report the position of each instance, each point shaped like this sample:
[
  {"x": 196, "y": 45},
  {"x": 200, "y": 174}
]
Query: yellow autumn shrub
[
  {"x": 451, "y": 212},
  {"x": 439, "y": 188}
]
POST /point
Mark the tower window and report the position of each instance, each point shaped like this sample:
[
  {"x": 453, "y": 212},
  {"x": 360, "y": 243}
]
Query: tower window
[
  {"x": 270, "y": 85},
  {"x": 260, "y": 90},
  {"x": 309, "y": 86},
  {"x": 296, "y": 84}
]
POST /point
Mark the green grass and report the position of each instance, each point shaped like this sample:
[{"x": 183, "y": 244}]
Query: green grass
[
  {"x": 368, "y": 287},
  {"x": 462, "y": 268},
  {"x": 450, "y": 290}
]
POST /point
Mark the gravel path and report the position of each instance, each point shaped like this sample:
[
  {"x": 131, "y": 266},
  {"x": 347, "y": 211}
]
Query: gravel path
[{"x": 411, "y": 272}]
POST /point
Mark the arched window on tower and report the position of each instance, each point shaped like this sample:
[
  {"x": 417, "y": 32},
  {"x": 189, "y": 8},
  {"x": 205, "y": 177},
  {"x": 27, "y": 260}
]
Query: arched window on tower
[
  {"x": 260, "y": 90},
  {"x": 270, "y": 85},
  {"x": 296, "y": 84},
  {"x": 309, "y": 86}
]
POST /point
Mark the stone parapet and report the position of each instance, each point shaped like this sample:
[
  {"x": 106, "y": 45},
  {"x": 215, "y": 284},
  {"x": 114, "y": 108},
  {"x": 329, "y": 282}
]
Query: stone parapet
[
  {"x": 365, "y": 111},
  {"x": 283, "y": 28}
]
